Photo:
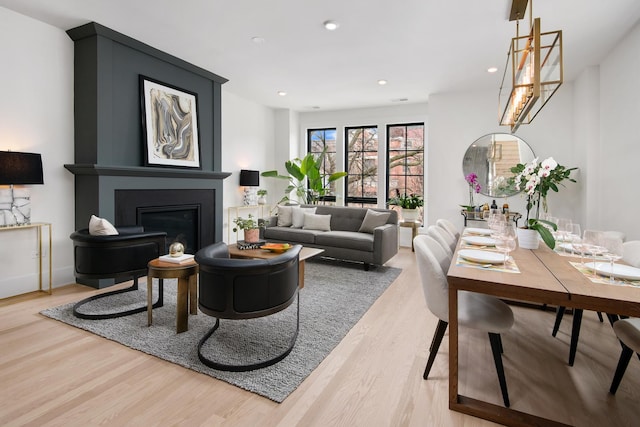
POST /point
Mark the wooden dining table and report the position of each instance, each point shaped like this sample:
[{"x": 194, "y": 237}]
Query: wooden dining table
[{"x": 545, "y": 277}]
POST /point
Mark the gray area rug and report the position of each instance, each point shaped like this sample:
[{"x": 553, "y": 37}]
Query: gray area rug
[{"x": 334, "y": 298}]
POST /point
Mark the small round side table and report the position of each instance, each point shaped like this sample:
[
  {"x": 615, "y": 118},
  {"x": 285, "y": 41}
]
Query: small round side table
[
  {"x": 187, "y": 299},
  {"x": 414, "y": 225}
]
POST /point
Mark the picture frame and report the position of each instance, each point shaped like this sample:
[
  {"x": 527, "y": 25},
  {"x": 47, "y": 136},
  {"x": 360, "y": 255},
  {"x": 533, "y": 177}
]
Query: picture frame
[{"x": 169, "y": 125}]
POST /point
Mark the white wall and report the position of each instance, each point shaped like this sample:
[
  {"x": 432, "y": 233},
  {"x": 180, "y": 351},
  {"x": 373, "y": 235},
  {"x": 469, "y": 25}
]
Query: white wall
[
  {"x": 618, "y": 155},
  {"x": 248, "y": 142},
  {"x": 36, "y": 115},
  {"x": 457, "y": 119}
]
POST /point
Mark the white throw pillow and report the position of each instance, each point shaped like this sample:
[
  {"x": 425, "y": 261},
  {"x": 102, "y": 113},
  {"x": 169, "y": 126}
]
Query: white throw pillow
[
  {"x": 298, "y": 216},
  {"x": 101, "y": 227},
  {"x": 317, "y": 222},
  {"x": 372, "y": 220},
  {"x": 285, "y": 216}
]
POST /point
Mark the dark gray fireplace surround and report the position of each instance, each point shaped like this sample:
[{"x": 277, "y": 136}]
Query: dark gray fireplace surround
[{"x": 108, "y": 148}]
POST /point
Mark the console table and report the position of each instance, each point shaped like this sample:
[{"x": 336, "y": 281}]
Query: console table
[
  {"x": 476, "y": 216},
  {"x": 38, "y": 226}
]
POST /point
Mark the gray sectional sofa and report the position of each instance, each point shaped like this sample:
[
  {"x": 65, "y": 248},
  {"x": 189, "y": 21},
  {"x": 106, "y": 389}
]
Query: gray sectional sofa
[{"x": 366, "y": 235}]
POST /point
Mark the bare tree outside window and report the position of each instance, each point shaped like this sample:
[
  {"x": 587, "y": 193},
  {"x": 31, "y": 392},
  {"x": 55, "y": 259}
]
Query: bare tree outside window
[
  {"x": 405, "y": 159},
  {"x": 362, "y": 165},
  {"x": 319, "y": 140}
]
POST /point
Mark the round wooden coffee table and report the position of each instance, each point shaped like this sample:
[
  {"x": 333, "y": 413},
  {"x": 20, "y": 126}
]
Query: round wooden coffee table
[{"x": 187, "y": 299}]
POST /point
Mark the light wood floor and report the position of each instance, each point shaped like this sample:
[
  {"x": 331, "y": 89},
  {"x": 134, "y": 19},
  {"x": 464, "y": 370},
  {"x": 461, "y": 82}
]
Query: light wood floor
[{"x": 52, "y": 374}]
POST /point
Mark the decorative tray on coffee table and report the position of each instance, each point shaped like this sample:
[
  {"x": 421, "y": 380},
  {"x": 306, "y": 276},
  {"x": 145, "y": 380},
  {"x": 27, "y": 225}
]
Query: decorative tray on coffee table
[{"x": 276, "y": 247}]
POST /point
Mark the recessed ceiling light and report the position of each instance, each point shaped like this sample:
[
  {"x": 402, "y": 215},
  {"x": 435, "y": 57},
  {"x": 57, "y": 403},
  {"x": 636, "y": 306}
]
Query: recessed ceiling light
[
  {"x": 331, "y": 25},
  {"x": 315, "y": 107},
  {"x": 282, "y": 93},
  {"x": 492, "y": 69},
  {"x": 382, "y": 82},
  {"x": 400, "y": 100},
  {"x": 257, "y": 40}
]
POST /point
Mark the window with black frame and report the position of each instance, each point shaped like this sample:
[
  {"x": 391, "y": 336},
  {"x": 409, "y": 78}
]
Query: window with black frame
[
  {"x": 405, "y": 159},
  {"x": 319, "y": 141},
  {"x": 362, "y": 165}
]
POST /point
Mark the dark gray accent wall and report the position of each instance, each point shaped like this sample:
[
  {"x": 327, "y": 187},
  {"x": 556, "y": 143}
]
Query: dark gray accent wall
[{"x": 109, "y": 148}]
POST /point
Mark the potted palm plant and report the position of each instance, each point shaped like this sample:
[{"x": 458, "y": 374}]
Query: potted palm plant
[
  {"x": 306, "y": 178},
  {"x": 249, "y": 226}
]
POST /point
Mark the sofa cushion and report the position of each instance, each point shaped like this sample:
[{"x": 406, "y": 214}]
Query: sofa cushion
[
  {"x": 346, "y": 239},
  {"x": 372, "y": 220},
  {"x": 298, "y": 216},
  {"x": 291, "y": 235},
  {"x": 317, "y": 222},
  {"x": 343, "y": 218},
  {"x": 285, "y": 216}
]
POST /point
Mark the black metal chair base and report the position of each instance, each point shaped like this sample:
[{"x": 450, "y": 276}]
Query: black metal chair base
[
  {"x": 496, "y": 349},
  {"x": 103, "y": 316},
  {"x": 252, "y": 366}
]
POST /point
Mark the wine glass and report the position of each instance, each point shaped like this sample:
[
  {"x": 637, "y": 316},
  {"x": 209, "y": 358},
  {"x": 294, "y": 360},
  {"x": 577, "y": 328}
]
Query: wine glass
[
  {"x": 591, "y": 242},
  {"x": 574, "y": 237},
  {"x": 614, "y": 249},
  {"x": 495, "y": 221},
  {"x": 506, "y": 243},
  {"x": 564, "y": 228}
]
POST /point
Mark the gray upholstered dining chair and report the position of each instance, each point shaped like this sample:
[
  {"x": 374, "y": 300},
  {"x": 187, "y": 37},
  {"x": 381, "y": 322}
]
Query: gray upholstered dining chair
[
  {"x": 477, "y": 311},
  {"x": 443, "y": 237},
  {"x": 628, "y": 332},
  {"x": 449, "y": 226},
  {"x": 631, "y": 252}
]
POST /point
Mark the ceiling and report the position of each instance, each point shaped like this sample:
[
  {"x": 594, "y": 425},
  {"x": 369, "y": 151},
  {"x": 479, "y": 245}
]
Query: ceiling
[{"x": 419, "y": 46}]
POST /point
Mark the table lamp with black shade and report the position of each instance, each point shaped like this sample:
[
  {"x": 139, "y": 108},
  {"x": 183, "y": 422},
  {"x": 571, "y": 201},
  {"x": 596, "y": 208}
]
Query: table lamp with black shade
[
  {"x": 18, "y": 168},
  {"x": 250, "y": 179}
]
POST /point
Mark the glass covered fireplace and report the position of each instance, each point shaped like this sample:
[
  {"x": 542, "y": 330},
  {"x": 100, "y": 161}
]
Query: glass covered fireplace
[{"x": 186, "y": 215}]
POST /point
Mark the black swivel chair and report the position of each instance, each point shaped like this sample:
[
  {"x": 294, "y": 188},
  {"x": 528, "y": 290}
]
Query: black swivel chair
[
  {"x": 121, "y": 257},
  {"x": 246, "y": 289}
]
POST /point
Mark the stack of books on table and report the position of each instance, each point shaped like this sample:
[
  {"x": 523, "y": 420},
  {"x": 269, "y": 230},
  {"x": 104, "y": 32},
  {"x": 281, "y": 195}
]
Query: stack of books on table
[
  {"x": 243, "y": 245},
  {"x": 182, "y": 259}
]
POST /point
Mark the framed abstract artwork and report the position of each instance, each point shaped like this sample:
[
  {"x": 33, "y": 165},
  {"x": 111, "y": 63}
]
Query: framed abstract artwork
[{"x": 169, "y": 125}]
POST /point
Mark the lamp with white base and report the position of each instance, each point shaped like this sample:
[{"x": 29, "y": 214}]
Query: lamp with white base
[
  {"x": 18, "y": 168},
  {"x": 250, "y": 179}
]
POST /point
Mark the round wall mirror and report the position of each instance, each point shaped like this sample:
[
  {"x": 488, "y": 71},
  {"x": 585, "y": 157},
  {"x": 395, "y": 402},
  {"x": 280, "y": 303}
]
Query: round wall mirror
[{"x": 491, "y": 157}]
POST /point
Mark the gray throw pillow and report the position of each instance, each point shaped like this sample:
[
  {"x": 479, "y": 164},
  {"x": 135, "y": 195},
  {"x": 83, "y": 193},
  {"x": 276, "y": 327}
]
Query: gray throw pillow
[
  {"x": 372, "y": 220},
  {"x": 285, "y": 216},
  {"x": 317, "y": 222},
  {"x": 298, "y": 216}
]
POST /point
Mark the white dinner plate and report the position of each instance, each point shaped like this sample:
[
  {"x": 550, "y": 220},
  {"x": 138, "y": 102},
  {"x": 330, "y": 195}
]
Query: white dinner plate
[
  {"x": 620, "y": 271},
  {"x": 481, "y": 231},
  {"x": 479, "y": 240},
  {"x": 482, "y": 257}
]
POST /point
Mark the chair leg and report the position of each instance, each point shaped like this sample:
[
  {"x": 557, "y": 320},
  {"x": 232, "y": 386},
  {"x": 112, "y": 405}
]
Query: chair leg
[
  {"x": 575, "y": 334},
  {"x": 251, "y": 366},
  {"x": 133, "y": 287},
  {"x": 625, "y": 357},
  {"x": 556, "y": 325},
  {"x": 435, "y": 345},
  {"x": 600, "y": 317},
  {"x": 494, "y": 339}
]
